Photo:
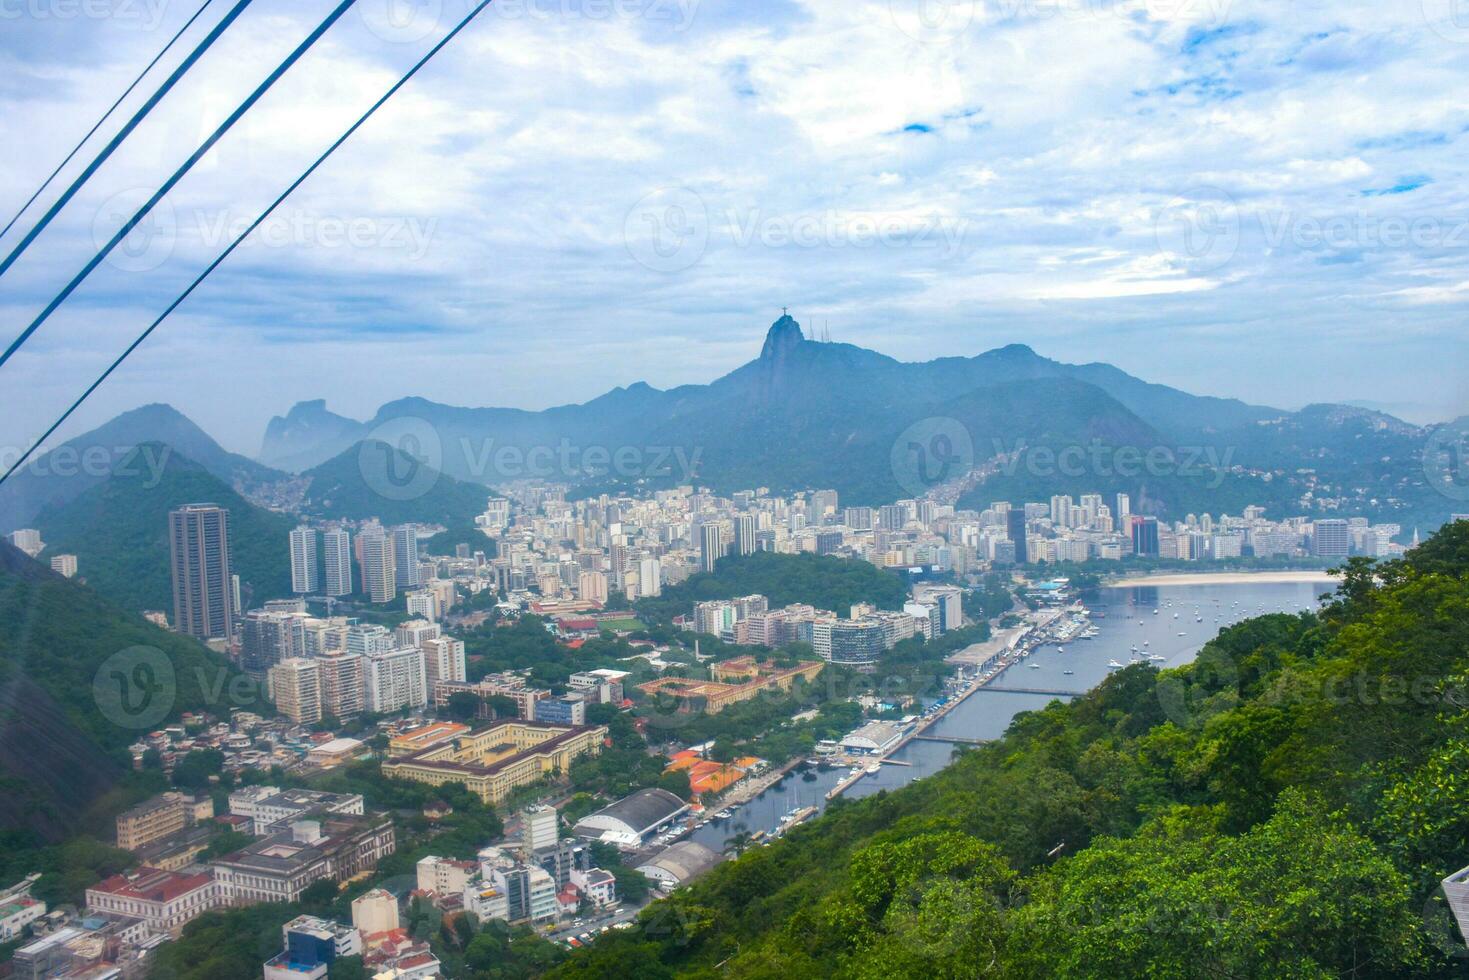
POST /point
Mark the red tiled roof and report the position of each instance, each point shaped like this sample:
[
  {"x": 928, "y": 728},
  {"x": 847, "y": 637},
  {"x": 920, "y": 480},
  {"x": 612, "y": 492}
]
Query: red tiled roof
[{"x": 153, "y": 885}]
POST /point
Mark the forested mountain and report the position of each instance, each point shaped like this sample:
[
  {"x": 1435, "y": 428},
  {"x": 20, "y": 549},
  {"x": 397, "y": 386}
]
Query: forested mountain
[
  {"x": 374, "y": 479},
  {"x": 66, "y": 725},
  {"x": 118, "y": 530},
  {"x": 823, "y": 581},
  {"x": 808, "y": 414},
  {"x": 64, "y": 473},
  {"x": 1284, "y": 806}
]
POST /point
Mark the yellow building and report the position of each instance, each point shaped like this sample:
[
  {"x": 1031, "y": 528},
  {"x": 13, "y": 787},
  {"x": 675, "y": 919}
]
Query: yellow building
[
  {"x": 494, "y": 761},
  {"x": 434, "y": 733},
  {"x": 152, "y": 820},
  {"x": 750, "y": 677}
]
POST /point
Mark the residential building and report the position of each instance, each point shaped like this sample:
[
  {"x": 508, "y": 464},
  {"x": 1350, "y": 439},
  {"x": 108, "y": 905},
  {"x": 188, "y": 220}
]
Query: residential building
[
  {"x": 304, "y": 580},
  {"x": 393, "y": 680},
  {"x": 405, "y": 557},
  {"x": 199, "y": 561},
  {"x": 711, "y": 546},
  {"x": 336, "y": 552},
  {"x": 379, "y": 568},
  {"x": 444, "y": 660},
  {"x": 295, "y": 685},
  {"x": 152, "y": 820},
  {"x": 64, "y": 565}
]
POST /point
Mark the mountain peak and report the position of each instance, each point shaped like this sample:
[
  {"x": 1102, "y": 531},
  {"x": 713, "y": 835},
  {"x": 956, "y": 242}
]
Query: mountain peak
[{"x": 784, "y": 334}]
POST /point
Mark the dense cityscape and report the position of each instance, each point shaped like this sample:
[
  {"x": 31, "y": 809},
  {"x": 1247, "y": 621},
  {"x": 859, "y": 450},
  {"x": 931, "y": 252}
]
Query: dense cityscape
[{"x": 366, "y": 665}]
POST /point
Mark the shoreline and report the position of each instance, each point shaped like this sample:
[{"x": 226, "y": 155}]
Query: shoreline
[{"x": 1220, "y": 578}]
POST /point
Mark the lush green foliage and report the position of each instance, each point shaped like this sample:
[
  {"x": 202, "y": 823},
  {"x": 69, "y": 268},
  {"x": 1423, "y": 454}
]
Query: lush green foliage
[
  {"x": 823, "y": 581},
  {"x": 1285, "y": 806},
  {"x": 346, "y": 487},
  {"x": 68, "y": 717},
  {"x": 119, "y": 532}
]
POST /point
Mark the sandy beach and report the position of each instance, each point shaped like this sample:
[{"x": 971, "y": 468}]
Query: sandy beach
[{"x": 1221, "y": 578}]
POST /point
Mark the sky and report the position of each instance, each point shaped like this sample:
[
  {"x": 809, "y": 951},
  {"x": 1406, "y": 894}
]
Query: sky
[{"x": 1263, "y": 199}]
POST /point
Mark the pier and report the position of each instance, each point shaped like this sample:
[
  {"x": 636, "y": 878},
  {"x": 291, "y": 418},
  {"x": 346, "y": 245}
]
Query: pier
[
  {"x": 951, "y": 739},
  {"x": 1032, "y": 690}
]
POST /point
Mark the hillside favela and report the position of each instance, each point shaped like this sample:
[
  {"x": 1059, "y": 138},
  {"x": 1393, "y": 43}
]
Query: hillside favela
[{"x": 432, "y": 548}]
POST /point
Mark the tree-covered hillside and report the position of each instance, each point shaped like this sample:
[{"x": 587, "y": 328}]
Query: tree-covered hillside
[
  {"x": 119, "y": 531},
  {"x": 1285, "y": 806},
  {"x": 823, "y": 581},
  {"x": 373, "y": 479},
  {"x": 80, "y": 680}
]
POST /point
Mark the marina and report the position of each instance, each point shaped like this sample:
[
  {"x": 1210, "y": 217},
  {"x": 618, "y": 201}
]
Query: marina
[{"x": 976, "y": 707}]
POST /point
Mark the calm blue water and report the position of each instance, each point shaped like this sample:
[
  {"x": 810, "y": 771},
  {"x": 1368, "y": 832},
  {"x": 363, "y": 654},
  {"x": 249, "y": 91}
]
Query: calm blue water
[{"x": 1128, "y": 620}]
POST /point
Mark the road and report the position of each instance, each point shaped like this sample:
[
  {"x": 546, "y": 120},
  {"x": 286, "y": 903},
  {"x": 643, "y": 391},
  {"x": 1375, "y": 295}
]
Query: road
[{"x": 624, "y": 913}]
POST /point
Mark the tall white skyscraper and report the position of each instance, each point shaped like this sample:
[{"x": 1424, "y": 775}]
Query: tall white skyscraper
[
  {"x": 303, "y": 561},
  {"x": 393, "y": 680},
  {"x": 337, "y": 559},
  {"x": 711, "y": 546},
  {"x": 650, "y": 577},
  {"x": 443, "y": 660},
  {"x": 405, "y": 556},
  {"x": 379, "y": 573},
  {"x": 744, "y": 534}
]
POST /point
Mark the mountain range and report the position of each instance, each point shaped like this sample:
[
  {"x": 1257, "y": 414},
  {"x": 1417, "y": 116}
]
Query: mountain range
[{"x": 805, "y": 414}]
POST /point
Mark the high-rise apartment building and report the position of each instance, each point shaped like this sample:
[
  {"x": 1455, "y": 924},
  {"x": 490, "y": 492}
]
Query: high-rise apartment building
[
  {"x": 405, "y": 557},
  {"x": 744, "y": 534},
  {"x": 1145, "y": 539},
  {"x": 336, "y": 553},
  {"x": 199, "y": 552},
  {"x": 342, "y": 694},
  {"x": 394, "y": 680},
  {"x": 444, "y": 660},
  {"x": 303, "y": 561},
  {"x": 295, "y": 685},
  {"x": 650, "y": 577},
  {"x": 268, "y": 637},
  {"x": 1331, "y": 539},
  {"x": 1015, "y": 528},
  {"x": 379, "y": 569},
  {"x": 711, "y": 546}
]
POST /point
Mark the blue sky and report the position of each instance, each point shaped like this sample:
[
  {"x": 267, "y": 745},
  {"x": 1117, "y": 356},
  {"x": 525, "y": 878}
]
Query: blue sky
[{"x": 1258, "y": 199}]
